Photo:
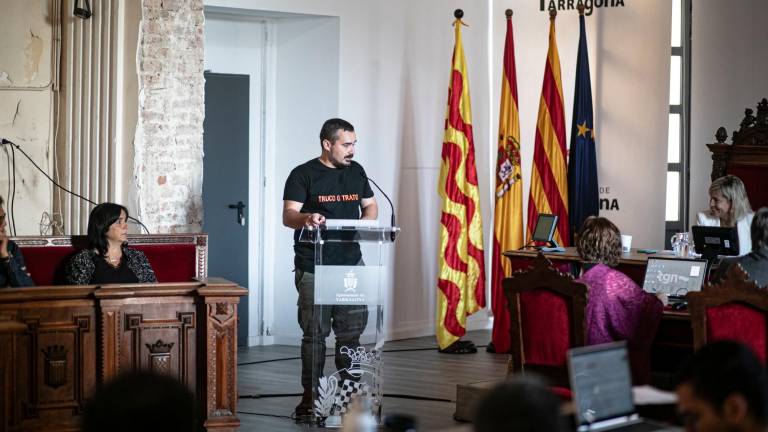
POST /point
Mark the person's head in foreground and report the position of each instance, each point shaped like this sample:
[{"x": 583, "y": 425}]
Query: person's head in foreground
[
  {"x": 723, "y": 387},
  {"x": 141, "y": 401},
  {"x": 521, "y": 404}
]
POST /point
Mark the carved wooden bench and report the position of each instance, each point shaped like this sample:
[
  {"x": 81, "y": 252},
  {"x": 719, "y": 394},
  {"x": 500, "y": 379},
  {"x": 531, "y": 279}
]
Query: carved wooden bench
[{"x": 57, "y": 343}]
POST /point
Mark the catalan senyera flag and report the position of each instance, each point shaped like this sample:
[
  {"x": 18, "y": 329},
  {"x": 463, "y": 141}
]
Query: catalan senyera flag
[
  {"x": 582, "y": 161},
  {"x": 549, "y": 179},
  {"x": 508, "y": 213},
  {"x": 461, "y": 267}
]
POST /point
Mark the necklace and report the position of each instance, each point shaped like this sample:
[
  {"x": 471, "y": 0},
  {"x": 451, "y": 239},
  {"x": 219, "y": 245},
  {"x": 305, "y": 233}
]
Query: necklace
[{"x": 114, "y": 262}]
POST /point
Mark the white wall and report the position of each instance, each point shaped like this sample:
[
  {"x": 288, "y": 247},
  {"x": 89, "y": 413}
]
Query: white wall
[
  {"x": 308, "y": 66},
  {"x": 426, "y": 55},
  {"x": 26, "y": 96},
  {"x": 728, "y": 73},
  {"x": 631, "y": 88},
  {"x": 393, "y": 68}
]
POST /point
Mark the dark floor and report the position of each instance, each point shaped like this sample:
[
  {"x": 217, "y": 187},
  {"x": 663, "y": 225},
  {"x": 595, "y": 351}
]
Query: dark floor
[{"x": 413, "y": 369}]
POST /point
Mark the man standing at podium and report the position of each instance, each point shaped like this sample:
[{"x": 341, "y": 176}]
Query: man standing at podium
[{"x": 332, "y": 186}]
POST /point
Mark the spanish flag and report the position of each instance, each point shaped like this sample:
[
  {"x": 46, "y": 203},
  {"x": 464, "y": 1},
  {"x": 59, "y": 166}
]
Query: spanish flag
[
  {"x": 508, "y": 214},
  {"x": 549, "y": 178},
  {"x": 461, "y": 267}
]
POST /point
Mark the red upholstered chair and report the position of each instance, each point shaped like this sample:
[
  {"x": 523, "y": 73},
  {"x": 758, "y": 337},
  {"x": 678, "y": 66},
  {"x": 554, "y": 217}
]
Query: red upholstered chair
[
  {"x": 547, "y": 317},
  {"x": 734, "y": 309}
]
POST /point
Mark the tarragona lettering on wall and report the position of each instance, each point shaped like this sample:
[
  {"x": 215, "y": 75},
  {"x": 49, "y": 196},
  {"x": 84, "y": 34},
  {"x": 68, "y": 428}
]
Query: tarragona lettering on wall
[
  {"x": 338, "y": 198},
  {"x": 589, "y": 5}
]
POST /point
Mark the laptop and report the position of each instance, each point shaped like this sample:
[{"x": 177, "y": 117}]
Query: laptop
[
  {"x": 712, "y": 241},
  {"x": 602, "y": 390},
  {"x": 674, "y": 277}
]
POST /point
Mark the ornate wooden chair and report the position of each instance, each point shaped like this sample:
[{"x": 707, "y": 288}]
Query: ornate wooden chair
[
  {"x": 733, "y": 309},
  {"x": 747, "y": 156},
  {"x": 547, "y": 317}
]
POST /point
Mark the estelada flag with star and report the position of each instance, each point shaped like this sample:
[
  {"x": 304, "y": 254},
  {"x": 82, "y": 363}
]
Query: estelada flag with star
[
  {"x": 582, "y": 164},
  {"x": 549, "y": 178},
  {"x": 461, "y": 264},
  {"x": 508, "y": 213}
]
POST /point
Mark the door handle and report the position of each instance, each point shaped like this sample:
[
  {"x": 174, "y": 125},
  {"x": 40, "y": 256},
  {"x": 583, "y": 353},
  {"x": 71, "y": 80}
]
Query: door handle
[{"x": 240, "y": 213}]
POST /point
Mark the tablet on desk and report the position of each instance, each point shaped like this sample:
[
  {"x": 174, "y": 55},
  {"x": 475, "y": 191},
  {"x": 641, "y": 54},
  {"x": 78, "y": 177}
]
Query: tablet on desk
[{"x": 544, "y": 231}]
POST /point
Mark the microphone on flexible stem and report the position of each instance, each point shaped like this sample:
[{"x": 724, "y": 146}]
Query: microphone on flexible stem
[
  {"x": 5, "y": 141},
  {"x": 393, "y": 234}
]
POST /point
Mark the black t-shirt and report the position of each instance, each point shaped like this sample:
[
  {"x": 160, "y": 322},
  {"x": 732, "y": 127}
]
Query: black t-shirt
[
  {"x": 104, "y": 273},
  {"x": 335, "y": 193}
]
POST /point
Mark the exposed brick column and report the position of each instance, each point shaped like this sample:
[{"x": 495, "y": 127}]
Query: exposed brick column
[{"x": 169, "y": 135}]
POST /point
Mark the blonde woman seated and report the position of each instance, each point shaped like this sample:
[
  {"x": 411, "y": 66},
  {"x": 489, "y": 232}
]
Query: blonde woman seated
[
  {"x": 617, "y": 308},
  {"x": 729, "y": 207}
]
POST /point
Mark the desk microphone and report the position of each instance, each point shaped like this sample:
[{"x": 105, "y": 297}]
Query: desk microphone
[{"x": 393, "y": 234}]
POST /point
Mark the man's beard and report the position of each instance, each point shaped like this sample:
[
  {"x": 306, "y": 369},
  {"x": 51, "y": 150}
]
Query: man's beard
[{"x": 342, "y": 164}]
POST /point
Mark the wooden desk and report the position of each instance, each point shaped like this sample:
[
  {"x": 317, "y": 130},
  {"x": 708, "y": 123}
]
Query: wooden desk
[
  {"x": 570, "y": 254},
  {"x": 674, "y": 338},
  {"x": 632, "y": 264},
  {"x": 57, "y": 343}
]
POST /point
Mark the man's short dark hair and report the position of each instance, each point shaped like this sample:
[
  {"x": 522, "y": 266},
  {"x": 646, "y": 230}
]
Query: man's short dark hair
[
  {"x": 759, "y": 229},
  {"x": 522, "y": 404},
  {"x": 331, "y": 128},
  {"x": 723, "y": 368},
  {"x": 1, "y": 200}
]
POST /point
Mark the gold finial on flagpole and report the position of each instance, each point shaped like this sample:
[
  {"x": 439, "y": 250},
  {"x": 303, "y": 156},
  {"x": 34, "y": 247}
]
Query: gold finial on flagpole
[
  {"x": 508, "y": 13},
  {"x": 459, "y": 14},
  {"x": 580, "y": 7},
  {"x": 552, "y": 9}
]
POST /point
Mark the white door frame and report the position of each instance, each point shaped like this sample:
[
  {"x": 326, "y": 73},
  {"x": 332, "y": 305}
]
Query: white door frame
[{"x": 260, "y": 173}]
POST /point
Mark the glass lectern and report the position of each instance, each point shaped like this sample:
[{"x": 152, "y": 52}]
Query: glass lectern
[{"x": 350, "y": 274}]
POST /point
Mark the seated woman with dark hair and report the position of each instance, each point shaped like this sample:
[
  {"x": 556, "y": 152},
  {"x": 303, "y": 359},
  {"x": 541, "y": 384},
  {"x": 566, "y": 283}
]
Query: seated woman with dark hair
[
  {"x": 617, "y": 308},
  {"x": 109, "y": 259},
  {"x": 13, "y": 271}
]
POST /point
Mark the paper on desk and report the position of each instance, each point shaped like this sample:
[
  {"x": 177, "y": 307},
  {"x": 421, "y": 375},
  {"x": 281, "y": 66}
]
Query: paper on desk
[{"x": 647, "y": 395}]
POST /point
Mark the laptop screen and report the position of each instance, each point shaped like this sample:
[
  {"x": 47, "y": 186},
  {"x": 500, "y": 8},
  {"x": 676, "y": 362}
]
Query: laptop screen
[
  {"x": 601, "y": 382},
  {"x": 711, "y": 241},
  {"x": 674, "y": 277}
]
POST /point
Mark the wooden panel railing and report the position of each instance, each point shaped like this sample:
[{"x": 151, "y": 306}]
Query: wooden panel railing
[{"x": 58, "y": 343}]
